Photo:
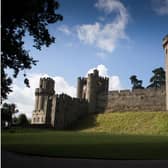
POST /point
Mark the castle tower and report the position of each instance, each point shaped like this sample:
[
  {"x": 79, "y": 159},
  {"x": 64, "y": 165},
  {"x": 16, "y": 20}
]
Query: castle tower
[
  {"x": 165, "y": 46},
  {"x": 89, "y": 88},
  {"x": 42, "y": 101},
  {"x": 91, "y": 91}
]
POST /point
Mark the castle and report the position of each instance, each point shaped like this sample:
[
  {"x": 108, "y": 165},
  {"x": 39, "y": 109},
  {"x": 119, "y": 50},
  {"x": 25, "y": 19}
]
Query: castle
[{"x": 62, "y": 111}]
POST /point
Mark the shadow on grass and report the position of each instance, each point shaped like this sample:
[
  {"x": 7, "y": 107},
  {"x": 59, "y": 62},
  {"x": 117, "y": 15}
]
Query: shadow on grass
[
  {"x": 97, "y": 151},
  {"x": 89, "y": 121},
  {"x": 84, "y": 123}
]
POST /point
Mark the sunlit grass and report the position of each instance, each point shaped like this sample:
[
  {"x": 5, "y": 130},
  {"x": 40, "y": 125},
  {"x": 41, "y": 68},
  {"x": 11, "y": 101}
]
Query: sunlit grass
[{"x": 148, "y": 123}]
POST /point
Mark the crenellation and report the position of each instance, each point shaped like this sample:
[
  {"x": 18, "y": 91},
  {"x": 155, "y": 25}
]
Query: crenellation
[
  {"x": 136, "y": 100},
  {"x": 124, "y": 92},
  {"x": 113, "y": 92}
]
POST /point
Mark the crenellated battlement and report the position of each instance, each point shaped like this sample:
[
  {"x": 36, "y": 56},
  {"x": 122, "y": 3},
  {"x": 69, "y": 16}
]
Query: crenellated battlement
[
  {"x": 47, "y": 84},
  {"x": 149, "y": 99},
  {"x": 136, "y": 91}
]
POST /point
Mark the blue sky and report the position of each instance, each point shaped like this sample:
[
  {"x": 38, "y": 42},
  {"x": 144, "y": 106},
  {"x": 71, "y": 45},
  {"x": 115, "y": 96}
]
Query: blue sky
[{"x": 120, "y": 37}]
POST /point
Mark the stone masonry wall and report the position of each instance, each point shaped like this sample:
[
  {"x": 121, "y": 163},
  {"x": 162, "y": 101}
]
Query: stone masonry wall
[
  {"x": 67, "y": 110},
  {"x": 149, "y": 99}
]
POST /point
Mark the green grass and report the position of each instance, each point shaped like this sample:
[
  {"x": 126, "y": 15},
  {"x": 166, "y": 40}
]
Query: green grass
[
  {"x": 87, "y": 145},
  {"x": 109, "y": 136},
  {"x": 134, "y": 123}
]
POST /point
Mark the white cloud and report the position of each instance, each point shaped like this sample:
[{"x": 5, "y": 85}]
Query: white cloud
[
  {"x": 160, "y": 6},
  {"x": 105, "y": 36},
  {"x": 101, "y": 68},
  {"x": 114, "y": 81},
  {"x": 24, "y": 97},
  {"x": 62, "y": 86},
  {"x": 88, "y": 33},
  {"x": 64, "y": 29}
]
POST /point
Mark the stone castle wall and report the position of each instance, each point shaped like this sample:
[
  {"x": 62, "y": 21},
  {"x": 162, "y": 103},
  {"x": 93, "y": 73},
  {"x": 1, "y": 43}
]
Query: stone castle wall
[
  {"x": 67, "y": 110},
  {"x": 150, "y": 99}
]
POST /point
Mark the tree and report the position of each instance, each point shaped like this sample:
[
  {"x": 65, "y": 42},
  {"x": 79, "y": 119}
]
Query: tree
[
  {"x": 7, "y": 111},
  {"x": 18, "y": 18},
  {"x": 14, "y": 120},
  {"x": 22, "y": 120},
  {"x": 137, "y": 84},
  {"x": 158, "y": 79}
]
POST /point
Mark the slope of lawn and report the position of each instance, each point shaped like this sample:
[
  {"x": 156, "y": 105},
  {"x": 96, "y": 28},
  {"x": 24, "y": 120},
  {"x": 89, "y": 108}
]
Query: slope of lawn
[
  {"x": 107, "y": 136},
  {"x": 148, "y": 123}
]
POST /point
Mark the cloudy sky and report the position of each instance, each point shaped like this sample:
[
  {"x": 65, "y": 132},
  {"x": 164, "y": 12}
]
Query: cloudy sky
[{"x": 118, "y": 37}]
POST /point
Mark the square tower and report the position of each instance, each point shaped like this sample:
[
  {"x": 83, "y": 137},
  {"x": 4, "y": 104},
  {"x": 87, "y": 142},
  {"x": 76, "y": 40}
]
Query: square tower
[
  {"x": 165, "y": 46},
  {"x": 43, "y": 95},
  {"x": 89, "y": 88}
]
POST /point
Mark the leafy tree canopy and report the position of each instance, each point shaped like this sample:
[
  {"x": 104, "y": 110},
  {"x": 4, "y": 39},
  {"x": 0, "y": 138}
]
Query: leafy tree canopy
[
  {"x": 137, "y": 84},
  {"x": 7, "y": 111},
  {"x": 158, "y": 79},
  {"x": 22, "y": 120},
  {"x": 19, "y": 17}
]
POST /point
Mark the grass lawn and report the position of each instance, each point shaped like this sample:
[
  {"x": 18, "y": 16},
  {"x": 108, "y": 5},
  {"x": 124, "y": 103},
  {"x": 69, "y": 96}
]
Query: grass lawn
[
  {"x": 125, "y": 135},
  {"x": 132, "y": 123},
  {"x": 86, "y": 145}
]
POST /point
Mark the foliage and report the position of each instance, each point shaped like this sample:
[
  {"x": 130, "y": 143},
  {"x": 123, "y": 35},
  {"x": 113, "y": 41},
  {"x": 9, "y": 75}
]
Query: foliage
[
  {"x": 158, "y": 79},
  {"x": 18, "y": 18},
  {"x": 14, "y": 120},
  {"x": 137, "y": 84},
  {"x": 7, "y": 111},
  {"x": 22, "y": 120}
]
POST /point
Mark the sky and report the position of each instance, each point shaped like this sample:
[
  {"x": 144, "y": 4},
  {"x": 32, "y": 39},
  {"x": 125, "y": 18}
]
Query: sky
[{"x": 118, "y": 37}]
